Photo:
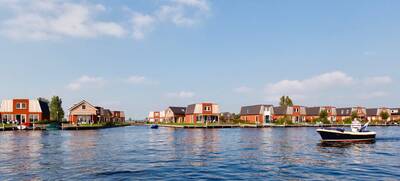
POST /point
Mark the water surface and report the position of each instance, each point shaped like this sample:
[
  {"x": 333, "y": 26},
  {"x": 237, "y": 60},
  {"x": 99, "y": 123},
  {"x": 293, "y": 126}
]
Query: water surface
[{"x": 133, "y": 153}]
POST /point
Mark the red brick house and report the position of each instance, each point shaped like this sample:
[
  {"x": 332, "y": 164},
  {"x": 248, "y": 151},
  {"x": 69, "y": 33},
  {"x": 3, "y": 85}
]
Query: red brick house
[
  {"x": 256, "y": 114},
  {"x": 313, "y": 113},
  {"x": 395, "y": 114},
  {"x": 118, "y": 116},
  {"x": 154, "y": 117},
  {"x": 202, "y": 113},
  {"x": 374, "y": 114},
  {"x": 345, "y": 113},
  {"x": 295, "y": 113},
  {"x": 24, "y": 110}
]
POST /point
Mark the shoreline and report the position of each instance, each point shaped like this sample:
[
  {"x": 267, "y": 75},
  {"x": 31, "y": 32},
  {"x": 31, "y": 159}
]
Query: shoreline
[
  {"x": 261, "y": 126},
  {"x": 66, "y": 127}
]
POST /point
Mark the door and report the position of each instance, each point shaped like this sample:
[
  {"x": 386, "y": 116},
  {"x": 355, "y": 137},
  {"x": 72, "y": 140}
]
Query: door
[
  {"x": 18, "y": 118},
  {"x": 267, "y": 119}
]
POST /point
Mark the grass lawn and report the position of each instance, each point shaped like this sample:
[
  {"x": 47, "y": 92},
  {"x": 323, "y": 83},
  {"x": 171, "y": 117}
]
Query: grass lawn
[
  {"x": 92, "y": 125},
  {"x": 8, "y": 125},
  {"x": 103, "y": 125}
]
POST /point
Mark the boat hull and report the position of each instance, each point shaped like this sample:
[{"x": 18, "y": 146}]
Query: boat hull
[{"x": 344, "y": 136}]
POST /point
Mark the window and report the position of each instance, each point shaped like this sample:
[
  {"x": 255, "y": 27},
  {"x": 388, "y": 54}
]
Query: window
[
  {"x": 328, "y": 111},
  {"x": 83, "y": 106},
  {"x": 33, "y": 117},
  {"x": 296, "y": 110},
  {"x": 6, "y": 117},
  {"x": 21, "y": 105},
  {"x": 207, "y": 108}
]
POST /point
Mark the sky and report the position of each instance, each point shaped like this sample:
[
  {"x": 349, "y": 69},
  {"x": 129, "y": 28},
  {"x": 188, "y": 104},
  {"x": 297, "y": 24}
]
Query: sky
[{"x": 145, "y": 55}]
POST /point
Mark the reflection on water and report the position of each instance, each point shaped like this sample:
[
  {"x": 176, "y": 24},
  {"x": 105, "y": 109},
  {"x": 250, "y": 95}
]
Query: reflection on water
[{"x": 178, "y": 154}]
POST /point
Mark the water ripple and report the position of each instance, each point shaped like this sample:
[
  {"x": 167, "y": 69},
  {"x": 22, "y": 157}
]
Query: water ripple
[{"x": 139, "y": 153}]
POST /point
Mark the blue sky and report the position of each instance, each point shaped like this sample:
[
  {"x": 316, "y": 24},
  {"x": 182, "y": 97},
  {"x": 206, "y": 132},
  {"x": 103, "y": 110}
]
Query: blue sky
[{"x": 145, "y": 55}]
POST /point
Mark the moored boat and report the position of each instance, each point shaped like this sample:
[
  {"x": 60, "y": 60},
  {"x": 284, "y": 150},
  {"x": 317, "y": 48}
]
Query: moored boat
[
  {"x": 154, "y": 126},
  {"x": 358, "y": 133}
]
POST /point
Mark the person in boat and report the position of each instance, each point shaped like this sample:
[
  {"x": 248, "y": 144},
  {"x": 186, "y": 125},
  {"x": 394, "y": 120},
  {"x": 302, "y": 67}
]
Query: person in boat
[{"x": 357, "y": 127}]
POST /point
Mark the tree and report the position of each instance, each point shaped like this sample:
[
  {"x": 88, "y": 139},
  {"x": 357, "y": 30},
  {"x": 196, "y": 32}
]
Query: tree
[
  {"x": 384, "y": 115},
  {"x": 286, "y": 101},
  {"x": 354, "y": 115},
  {"x": 56, "y": 110},
  {"x": 323, "y": 115}
]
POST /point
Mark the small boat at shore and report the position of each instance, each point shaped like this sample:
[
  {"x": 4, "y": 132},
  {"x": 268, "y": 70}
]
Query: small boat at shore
[
  {"x": 22, "y": 127},
  {"x": 154, "y": 126},
  {"x": 358, "y": 133}
]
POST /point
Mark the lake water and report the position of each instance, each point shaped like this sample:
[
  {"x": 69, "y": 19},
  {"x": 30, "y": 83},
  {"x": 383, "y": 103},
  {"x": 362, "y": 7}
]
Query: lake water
[{"x": 133, "y": 153}]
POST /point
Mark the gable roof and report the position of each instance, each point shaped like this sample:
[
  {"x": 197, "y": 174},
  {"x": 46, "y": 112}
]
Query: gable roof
[
  {"x": 313, "y": 111},
  {"x": 33, "y": 105},
  {"x": 44, "y": 106},
  {"x": 80, "y": 103},
  {"x": 395, "y": 111},
  {"x": 252, "y": 110},
  {"x": 190, "y": 109},
  {"x": 281, "y": 110},
  {"x": 178, "y": 110},
  {"x": 344, "y": 111},
  {"x": 372, "y": 112}
]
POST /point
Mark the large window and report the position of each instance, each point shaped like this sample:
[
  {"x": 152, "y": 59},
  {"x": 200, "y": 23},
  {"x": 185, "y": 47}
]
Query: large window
[
  {"x": 33, "y": 117},
  {"x": 85, "y": 119},
  {"x": 207, "y": 108},
  {"x": 6, "y": 117}
]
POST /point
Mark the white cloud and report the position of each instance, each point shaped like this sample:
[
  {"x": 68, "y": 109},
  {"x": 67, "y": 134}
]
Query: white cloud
[
  {"x": 44, "y": 19},
  {"x": 138, "y": 79},
  {"x": 177, "y": 12},
  {"x": 181, "y": 94},
  {"x": 301, "y": 89},
  {"x": 54, "y": 19},
  {"x": 242, "y": 89},
  {"x": 201, "y": 4},
  {"x": 86, "y": 81},
  {"x": 330, "y": 87},
  {"x": 141, "y": 25},
  {"x": 378, "y": 80}
]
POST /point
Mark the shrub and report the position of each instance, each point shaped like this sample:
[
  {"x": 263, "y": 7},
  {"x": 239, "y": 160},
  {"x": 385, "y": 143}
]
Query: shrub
[
  {"x": 323, "y": 120},
  {"x": 347, "y": 121},
  {"x": 284, "y": 120}
]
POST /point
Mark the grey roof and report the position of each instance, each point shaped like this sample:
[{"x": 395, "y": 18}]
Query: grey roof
[
  {"x": 190, "y": 109},
  {"x": 44, "y": 106},
  {"x": 313, "y": 111},
  {"x": 178, "y": 110},
  {"x": 251, "y": 110},
  {"x": 346, "y": 111},
  {"x": 281, "y": 110},
  {"x": 372, "y": 112}
]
